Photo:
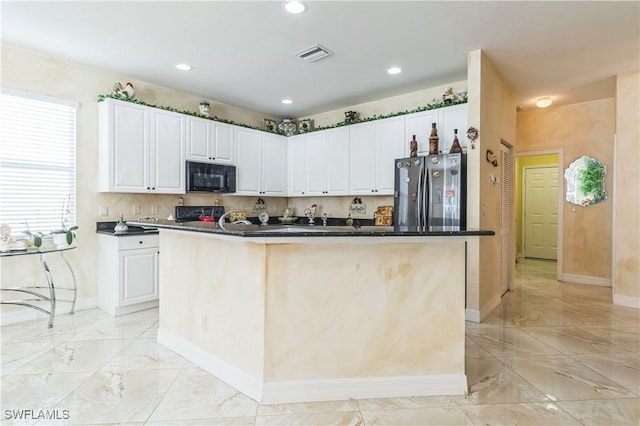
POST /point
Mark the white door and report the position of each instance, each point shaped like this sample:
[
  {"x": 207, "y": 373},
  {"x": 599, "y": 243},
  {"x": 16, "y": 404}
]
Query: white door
[
  {"x": 249, "y": 161},
  {"x": 274, "y": 165},
  {"x": 362, "y": 158},
  {"x": 336, "y": 156},
  {"x": 222, "y": 143},
  {"x": 130, "y": 147},
  {"x": 316, "y": 164},
  {"x": 540, "y": 206},
  {"x": 297, "y": 148},
  {"x": 506, "y": 263},
  {"x": 198, "y": 139},
  {"x": 138, "y": 275},
  {"x": 168, "y": 158},
  {"x": 389, "y": 146}
]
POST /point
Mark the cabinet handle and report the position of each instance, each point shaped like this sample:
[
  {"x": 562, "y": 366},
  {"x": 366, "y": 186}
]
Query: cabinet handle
[
  {"x": 153, "y": 189},
  {"x": 148, "y": 188},
  {"x": 140, "y": 242}
]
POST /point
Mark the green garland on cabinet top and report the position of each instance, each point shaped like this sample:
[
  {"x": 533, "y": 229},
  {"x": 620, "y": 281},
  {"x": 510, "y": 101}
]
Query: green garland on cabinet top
[{"x": 430, "y": 106}]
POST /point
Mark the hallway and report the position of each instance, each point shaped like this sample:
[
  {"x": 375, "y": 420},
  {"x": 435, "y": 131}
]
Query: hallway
[{"x": 550, "y": 354}]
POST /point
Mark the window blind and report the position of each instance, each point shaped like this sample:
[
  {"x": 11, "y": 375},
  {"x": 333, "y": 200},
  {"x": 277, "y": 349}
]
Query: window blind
[{"x": 37, "y": 162}]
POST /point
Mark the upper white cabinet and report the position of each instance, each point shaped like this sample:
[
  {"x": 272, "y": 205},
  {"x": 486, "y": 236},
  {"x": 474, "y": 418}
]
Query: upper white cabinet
[
  {"x": 209, "y": 141},
  {"x": 261, "y": 163},
  {"x": 297, "y": 161},
  {"x": 372, "y": 148},
  {"x": 141, "y": 149},
  {"x": 327, "y": 162},
  {"x": 446, "y": 119}
]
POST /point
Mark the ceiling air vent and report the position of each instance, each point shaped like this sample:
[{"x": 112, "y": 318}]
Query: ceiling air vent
[{"x": 314, "y": 53}]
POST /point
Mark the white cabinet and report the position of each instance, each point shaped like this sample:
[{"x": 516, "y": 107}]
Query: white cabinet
[
  {"x": 209, "y": 141},
  {"x": 128, "y": 273},
  {"x": 372, "y": 148},
  {"x": 327, "y": 162},
  {"x": 446, "y": 119},
  {"x": 141, "y": 149},
  {"x": 261, "y": 163},
  {"x": 297, "y": 161}
]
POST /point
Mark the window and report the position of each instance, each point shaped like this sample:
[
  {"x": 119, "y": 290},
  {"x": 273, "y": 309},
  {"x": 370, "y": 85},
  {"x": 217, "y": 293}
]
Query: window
[{"x": 37, "y": 161}]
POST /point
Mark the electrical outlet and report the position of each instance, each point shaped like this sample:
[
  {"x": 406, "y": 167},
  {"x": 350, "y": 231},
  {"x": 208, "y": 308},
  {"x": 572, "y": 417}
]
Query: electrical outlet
[
  {"x": 136, "y": 209},
  {"x": 104, "y": 210},
  {"x": 155, "y": 209},
  {"x": 203, "y": 322}
]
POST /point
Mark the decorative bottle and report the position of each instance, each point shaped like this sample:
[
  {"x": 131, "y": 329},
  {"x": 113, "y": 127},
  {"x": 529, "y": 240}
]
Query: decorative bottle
[
  {"x": 455, "y": 146},
  {"x": 433, "y": 140},
  {"x": 413, "y": 147}
]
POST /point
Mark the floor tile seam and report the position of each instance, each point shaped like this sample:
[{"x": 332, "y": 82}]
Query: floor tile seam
[
  {"x": 603, "y": 374},
  {"x": 165, "y": 394}
]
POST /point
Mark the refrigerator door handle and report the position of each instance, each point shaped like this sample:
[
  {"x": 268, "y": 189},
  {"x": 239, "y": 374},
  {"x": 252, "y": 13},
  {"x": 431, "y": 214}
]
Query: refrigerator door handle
[
  {"x": 426, "y": 197},
  {"x": 419, "y": 206}
]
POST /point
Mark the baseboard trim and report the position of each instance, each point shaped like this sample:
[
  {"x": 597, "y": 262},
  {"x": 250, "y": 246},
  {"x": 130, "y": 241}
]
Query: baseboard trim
[
  {"x": 28, "y": 314},
  {"x": 231, "y": 375},
  {"x": 628, "y": 301},
  {"x": 585, "y": 279},
  {"x": 474, "y": 315},
  {"x": 127, "y": 309},
  {"x": 315, "y": 390},
  {"x": 363, "y": 388}
]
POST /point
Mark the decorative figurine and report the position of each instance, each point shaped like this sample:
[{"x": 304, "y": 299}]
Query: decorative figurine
[
  {"x": 413, "y": 147},
  {"x": 448, "y": 96},
  {"x": 122, "y": 93},
  {"x": 269, "y": 125},
  {"x": 433, "y": 140},
  {"x": 204, "y": 109},
  {"x": 455, "y": 146},
  {"x": 350, "y": 116}
]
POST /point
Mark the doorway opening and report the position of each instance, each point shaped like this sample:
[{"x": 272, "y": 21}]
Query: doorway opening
[{"x": 539, "y": 189}]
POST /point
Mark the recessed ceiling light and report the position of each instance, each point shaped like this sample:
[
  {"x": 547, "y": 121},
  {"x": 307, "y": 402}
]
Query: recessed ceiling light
[
  {"x": 394, "y": 70},
  {"x": 184, "y": 67},
  {"x": 295, "y": 7},
  {"x": 287, "y": 101},
  {"x": 543, "y": 102}
]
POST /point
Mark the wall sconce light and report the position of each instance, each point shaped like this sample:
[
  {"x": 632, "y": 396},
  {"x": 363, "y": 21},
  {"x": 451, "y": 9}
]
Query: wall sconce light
[{"x": 543, "y": 102}]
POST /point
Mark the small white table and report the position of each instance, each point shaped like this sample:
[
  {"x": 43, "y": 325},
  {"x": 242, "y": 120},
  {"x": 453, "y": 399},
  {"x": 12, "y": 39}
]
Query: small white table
[{"x": 34, "y": 290}]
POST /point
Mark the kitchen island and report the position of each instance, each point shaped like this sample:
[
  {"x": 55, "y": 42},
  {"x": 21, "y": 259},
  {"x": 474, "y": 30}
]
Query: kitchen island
[{"x": 291, "y": 314}]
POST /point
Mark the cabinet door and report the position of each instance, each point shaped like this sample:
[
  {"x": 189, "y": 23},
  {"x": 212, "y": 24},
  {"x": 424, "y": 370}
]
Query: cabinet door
[
  {"x": 316, "y": 163},
  {"x": 389, "y": 146},
  {"x": 274, "y": 164},
  {"x": 296, "y": 147},
  {"x": 124, "y": 145},
  {"x": 336, "y": 148},
  {"x": 249, "y": 161},
  {"x": 362, "y": 158},
  {"x": 138, "y": 275},
  {"x": 167, "y": 154},
  {"x": 222, "y": 150},
  {"x": 198, "y": 139},
  {"x": 451, "y": 118},
  {"x": 419, "y": 124}
]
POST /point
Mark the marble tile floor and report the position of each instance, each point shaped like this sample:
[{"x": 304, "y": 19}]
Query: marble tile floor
[{"x": 551, "y": 354}]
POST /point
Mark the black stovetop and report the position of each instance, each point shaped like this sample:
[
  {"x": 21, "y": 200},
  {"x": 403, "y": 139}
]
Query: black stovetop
[{"x": 191, "y": 213}]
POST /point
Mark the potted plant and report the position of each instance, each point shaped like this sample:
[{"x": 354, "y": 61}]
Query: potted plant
[{"x": 61, "y": 237}]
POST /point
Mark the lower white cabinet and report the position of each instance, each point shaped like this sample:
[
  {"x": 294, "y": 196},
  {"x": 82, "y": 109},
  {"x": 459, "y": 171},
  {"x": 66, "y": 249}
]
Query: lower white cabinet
[{"x": 128, "y": 273}]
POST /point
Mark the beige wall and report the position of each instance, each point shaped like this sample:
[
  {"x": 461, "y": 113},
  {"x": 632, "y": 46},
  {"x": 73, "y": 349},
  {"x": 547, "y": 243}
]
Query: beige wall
[
  {"x": 626, "y": 199},
  {"x": 580, "y": 129},
  {"x": 492, "y": 112}
]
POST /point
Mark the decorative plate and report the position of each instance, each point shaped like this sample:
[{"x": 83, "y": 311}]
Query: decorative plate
[
  {"x": 263, "y": 216},
  {"x": 287, "y": 126}
]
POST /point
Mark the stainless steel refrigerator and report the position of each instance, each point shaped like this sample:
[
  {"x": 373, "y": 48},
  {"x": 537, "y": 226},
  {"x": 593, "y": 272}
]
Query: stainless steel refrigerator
[{"x": 430, "y": 193}]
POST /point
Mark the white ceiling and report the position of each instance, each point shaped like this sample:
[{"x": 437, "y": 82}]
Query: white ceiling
[{"x": 242, "y": 52}]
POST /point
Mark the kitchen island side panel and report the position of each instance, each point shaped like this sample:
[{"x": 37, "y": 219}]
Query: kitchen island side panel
[
  {"x": 361, "y": 309},
  {"x": 211, "y": 296}
]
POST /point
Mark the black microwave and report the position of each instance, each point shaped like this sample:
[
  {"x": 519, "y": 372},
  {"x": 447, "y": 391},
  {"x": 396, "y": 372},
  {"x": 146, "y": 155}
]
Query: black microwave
[{"x": 205, "y": 177}]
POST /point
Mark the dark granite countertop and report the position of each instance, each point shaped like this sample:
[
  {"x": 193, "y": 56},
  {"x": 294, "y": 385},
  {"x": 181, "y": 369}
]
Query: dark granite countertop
[
  {"x": 271, "y": 231},
  {"x": 106, "y": 228}
]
